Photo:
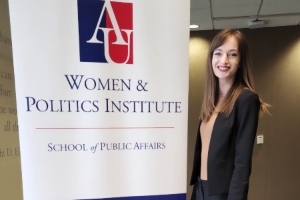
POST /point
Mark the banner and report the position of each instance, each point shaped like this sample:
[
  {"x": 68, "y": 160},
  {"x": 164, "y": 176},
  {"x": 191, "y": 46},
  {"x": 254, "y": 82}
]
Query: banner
[{"x": 102, "y": 96}]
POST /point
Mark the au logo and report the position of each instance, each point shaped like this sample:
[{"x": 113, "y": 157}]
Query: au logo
[{"x": 105, "y": 31}]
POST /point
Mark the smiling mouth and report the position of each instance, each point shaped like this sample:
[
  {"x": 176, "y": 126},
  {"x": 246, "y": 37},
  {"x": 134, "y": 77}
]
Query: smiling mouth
[{"x": 223, "y": 68}]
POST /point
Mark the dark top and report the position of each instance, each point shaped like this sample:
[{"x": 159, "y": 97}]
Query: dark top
[{"x": 230, "y": 149}]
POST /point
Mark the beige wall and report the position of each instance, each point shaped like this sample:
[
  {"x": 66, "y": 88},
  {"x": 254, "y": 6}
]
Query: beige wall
[
  {"x": 276, "y": 68},
  {"x": 10, "y": 166}
]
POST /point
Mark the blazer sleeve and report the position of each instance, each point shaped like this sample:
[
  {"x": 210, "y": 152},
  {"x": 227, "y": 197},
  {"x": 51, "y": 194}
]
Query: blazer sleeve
[
  {"x": 248, "y": 106},
  {"x": 196, "y": 164}
]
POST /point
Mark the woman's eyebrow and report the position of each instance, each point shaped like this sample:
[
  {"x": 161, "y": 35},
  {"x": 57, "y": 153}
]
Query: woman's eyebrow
[{"x": 222, "y": 50}]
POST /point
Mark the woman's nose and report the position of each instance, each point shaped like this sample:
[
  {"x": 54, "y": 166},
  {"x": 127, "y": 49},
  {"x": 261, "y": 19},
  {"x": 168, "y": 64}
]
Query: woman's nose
[{"x": 224, "y": 58}]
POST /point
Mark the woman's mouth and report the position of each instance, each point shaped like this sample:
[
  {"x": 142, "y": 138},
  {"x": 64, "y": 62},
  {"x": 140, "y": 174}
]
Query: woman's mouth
[{"x": 223, "y": 68}]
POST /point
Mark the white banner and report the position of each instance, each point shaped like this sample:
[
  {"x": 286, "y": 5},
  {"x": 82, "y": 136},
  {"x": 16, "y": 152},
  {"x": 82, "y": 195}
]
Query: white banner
[{"x": 102, "y": 91}]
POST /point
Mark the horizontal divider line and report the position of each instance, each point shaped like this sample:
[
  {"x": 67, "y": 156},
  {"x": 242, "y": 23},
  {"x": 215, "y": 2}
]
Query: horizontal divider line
[
  {"x": 181, "y": 196},
  {"x": 107, "y": 128}
]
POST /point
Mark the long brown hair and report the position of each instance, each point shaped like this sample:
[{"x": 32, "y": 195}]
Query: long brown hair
[{"x": 243, "y": 78}]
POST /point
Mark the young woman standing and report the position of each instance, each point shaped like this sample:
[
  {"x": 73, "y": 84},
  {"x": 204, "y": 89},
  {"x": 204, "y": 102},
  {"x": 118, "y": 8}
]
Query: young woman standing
[{"x": 228, "y": 122}]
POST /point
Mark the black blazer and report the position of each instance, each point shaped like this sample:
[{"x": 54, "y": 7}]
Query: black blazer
[{"x": 230, "y": 149}]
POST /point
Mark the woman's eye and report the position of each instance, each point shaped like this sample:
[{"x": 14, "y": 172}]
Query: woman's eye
[
  {"x": 233, "y": 55},
  {"x": 217, "y": 53}
]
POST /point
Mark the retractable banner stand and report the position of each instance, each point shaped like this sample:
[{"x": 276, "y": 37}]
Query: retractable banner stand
[{"x": 102, "y": 94}]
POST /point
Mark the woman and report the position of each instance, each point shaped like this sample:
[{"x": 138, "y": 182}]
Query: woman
[{"x": 228, "y": 122}]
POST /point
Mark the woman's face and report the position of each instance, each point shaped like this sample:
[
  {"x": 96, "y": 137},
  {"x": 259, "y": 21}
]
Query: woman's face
[{"x": 225, "y": 60}]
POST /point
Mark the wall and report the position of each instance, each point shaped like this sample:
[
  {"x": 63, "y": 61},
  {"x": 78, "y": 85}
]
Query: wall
[
  {"x": 10, "y": 166},
  {"x": 276, "y": 69}
]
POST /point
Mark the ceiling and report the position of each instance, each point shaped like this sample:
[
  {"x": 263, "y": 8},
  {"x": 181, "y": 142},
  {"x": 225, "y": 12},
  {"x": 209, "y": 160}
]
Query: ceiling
[{"x": 220, "y": 14}]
